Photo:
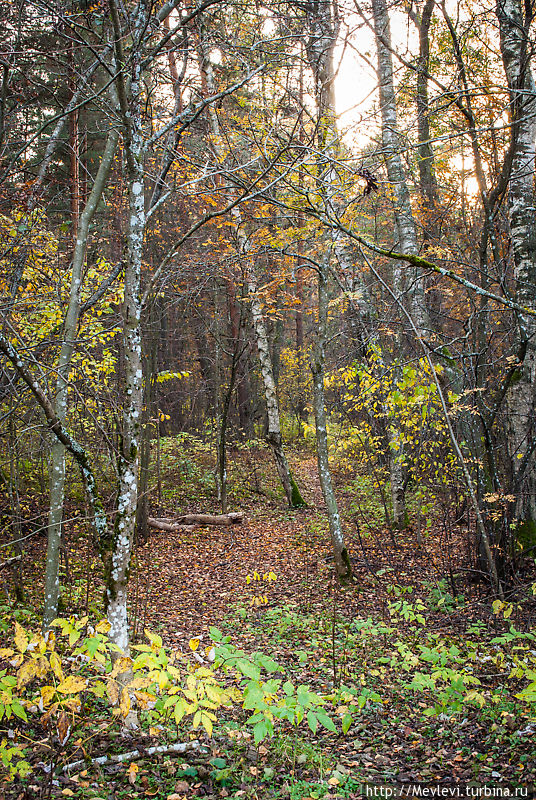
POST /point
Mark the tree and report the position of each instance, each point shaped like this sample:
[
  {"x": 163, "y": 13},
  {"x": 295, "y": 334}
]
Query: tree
[
  {"x": 516, "y": 47},
  {"x": 322, "y": 28}
]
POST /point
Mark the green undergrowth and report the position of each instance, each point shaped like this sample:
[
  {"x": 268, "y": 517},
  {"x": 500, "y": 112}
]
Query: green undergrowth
[
  {"x": 189, "y": 465},
  {"x": 467, "y": 692},
  {"x": 316, "y": 708}
]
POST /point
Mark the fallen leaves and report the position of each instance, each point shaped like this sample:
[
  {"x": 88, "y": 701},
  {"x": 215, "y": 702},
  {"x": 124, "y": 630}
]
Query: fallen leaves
[{"x": 132, "y": 773}]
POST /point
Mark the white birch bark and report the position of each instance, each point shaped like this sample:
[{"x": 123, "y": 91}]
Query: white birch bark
[
  {"x": 516, "y": 51},
  {"x": 322, "y": 29},
  {"x": 404, "y": 221},
  {"x": 406, "y": 234},
  {"x": 57, "y": 459},
  {"x": 273, "y": 436},
  {"x": 117, "y": 549}
]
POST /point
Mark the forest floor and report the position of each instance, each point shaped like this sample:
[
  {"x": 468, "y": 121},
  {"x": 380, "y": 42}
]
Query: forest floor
[{"x": 407, "y": 599}]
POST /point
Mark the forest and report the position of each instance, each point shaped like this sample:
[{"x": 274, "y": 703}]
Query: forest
[{"x": 267, "y": 399}]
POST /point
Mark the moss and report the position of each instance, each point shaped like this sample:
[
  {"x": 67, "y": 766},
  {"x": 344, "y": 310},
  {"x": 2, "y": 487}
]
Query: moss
[
  {"x": 346, "y": 577},
  {"x": 296, "y": 500},
  {"x": 403, "y": 524},
  {"x": 525, "y": 535}
]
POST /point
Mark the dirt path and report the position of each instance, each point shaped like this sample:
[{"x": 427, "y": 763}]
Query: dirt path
[{"x": 189, "y": 582}]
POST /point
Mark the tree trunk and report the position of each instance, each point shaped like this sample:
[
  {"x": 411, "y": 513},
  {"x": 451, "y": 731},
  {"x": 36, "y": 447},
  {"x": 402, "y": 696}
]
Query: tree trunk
[
  {"x": 404, "y": 221},
  {"x": 427, "y": 178},
  {"x": 406, "y": 233},
  {"x": 273, "y": 436},
  {"x": 57, "y": 459},
  {"x": 242, "y": 385},
  {"x": 342, "y": 560},
  {"x": 322, "y": 29},
  {"x": 516, "y": 50},
  {"x": 117, "y": 551}
]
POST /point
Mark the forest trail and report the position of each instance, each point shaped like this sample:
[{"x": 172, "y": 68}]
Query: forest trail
[
  {"x": 184, "y": 583},
  {"x": 191, "y": 581},
  {"x": 195, "y": 579}
]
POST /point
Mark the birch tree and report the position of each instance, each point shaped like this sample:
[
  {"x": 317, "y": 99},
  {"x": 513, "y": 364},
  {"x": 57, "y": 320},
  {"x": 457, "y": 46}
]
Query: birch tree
[
  {"x": 273, "y": 433},
  {"x": 515, "y": 19},
  {"x": 406, "y": 232},
  {"x": 117, "y": 549},
  {"x": 322, "y": 28},
  {"x": 70, "y": 327}
]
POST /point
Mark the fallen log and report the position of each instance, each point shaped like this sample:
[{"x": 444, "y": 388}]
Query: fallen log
[
  {"x": 189, "y": 522},
  {"x": 165, "y": 525},
  {"x": 181, "y": 747},
  {"x": 234, "y": 518}
]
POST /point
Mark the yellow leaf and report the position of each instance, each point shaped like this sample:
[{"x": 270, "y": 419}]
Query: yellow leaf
[
  {"x": 113, "y": 691},
  {"x": 124, "y": 705},
  {"x": 42, "y": 666},
  {"x": 497, "y": 606},
  {"x": 47, "y": 693},
  {"x": 73, "y": 703},
  {"x": 145, "y": 699},
  {"x": 163, "y": 679},
  {"x": 207, "y": 724},
  {"x": 132, "y": 773},
  {"x": 55, "y": 664},
  {"x": 179, "y": 710},
  {"x": 63, "y": 728},
  {"x": 72, "y": 685},
  {"x": 26, "y": 674},
  {"x": 103, "y": 626},
  {"x": 122, "y": 664},
  {"x": 21, "y": 639},
  {"x": 194, "y": 644}
]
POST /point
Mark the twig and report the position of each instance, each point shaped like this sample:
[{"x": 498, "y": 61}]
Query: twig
[{"x": 10, "y": 561}]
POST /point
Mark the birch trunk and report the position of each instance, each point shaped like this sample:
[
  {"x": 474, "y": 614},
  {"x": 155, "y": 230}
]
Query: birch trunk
[
  {"x": 406, "y": 234},
  {"x": 516, "y": 51},
  {"x": 273, "y": 436},
  {"x": 322, "y": 28},
  {"x": 340, "y": 553},
  {"x": 117, "y": 549},
  {"x": 427, "y": 178},
  {"x": 57, "y": 459},
  {"x": 404, "y": 221}
]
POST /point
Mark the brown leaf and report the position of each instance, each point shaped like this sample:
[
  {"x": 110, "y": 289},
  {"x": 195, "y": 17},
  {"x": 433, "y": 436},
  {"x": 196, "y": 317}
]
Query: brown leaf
[
  {"x": 132, "y": 773},
  {"x": 63, "y": 727}
]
